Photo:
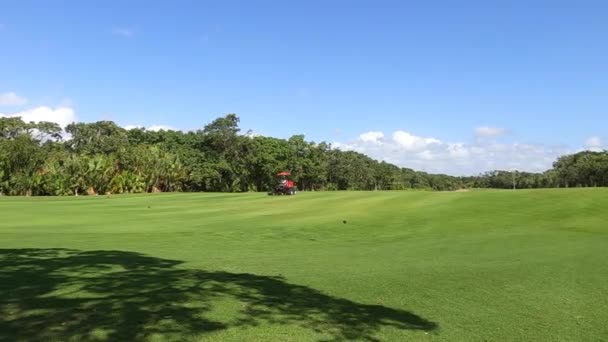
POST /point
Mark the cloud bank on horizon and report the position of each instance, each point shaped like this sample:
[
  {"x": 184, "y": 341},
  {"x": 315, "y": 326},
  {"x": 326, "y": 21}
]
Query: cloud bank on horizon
[
  {"x": 484, "y": 153},
  {"x": 433, "y": 155},
  {"x": 60, "y": 115}
]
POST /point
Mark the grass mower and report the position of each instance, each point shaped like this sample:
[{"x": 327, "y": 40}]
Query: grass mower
[{"x": 285, "y": 185}]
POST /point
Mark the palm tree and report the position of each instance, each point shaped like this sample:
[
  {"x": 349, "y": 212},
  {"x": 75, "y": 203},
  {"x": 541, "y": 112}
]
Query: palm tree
[
  {"x": 117, "y": 184},
  {"x": 74, "y": 168}
]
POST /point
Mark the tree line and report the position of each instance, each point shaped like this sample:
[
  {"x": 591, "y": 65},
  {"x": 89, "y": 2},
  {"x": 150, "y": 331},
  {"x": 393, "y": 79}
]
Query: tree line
[
  {"x": 104, "y": 158},
  {"x": 582, "y": 169}
]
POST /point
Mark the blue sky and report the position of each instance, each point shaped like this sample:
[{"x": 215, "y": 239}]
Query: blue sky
[{"x": 408, "y": 82}]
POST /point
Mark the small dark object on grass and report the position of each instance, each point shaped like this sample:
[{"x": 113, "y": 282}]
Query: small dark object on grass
[
  {"x": 148, "y": 207},
  {"x": 344, "y": 221}
]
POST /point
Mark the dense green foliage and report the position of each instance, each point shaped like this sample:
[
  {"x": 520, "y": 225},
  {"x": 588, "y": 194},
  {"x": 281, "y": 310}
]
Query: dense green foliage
[
  {"x": 102, "y": 157},
  {"x": 485, "y": 265}
]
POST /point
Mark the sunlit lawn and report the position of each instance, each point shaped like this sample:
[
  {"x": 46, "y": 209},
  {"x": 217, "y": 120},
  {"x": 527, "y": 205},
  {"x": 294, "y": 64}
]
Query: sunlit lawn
[{"x": 391, "y": 266}]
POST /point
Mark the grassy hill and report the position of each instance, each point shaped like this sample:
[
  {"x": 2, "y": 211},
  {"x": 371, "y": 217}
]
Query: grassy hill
[{"x": 390, "y": 266}]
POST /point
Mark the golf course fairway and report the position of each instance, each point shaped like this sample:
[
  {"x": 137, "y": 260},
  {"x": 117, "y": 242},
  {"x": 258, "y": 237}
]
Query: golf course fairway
[{"x": 524, "y": 265}]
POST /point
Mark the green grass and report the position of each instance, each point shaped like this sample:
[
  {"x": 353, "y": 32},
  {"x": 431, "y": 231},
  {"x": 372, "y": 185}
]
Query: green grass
[{"x": 420, "y": 266}]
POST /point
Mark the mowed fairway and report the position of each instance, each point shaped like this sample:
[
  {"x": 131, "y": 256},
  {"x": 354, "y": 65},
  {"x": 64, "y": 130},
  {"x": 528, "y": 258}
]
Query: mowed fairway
[{"x": 420, "y": 266}]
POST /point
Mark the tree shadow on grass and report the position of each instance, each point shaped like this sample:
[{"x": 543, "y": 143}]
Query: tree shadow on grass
[{"x": 62, "y": 294}]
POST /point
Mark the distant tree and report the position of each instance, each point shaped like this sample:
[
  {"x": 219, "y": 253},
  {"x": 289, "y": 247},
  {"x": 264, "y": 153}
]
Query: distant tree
[{"x": 102, "y": 137}]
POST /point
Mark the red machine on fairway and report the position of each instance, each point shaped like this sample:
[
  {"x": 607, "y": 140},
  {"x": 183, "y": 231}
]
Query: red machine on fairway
[{"x": 285, "y": 186}]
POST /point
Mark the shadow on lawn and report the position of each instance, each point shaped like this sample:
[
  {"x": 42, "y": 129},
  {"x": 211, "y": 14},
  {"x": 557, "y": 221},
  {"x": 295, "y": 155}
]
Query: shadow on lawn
[{"x": 124, "y": 296}]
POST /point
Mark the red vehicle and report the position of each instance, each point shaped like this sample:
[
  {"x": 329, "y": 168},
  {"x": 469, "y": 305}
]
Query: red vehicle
[{"x": 285, "y": 185}]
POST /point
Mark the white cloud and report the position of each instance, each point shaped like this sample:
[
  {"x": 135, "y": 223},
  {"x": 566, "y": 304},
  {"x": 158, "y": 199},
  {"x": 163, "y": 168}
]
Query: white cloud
[
  {"x": 459, "y": 150},
  {"x": 12, "y": 99},
  {"x": 154, "y": 128},
  {"x": 489, "y": 132},
  {"x": 123, "y": 32},
  {"x": 342, "y": 146},
  {"x": 425, "y": 155},
  {"x": 252, "y": 134},
  {"x": 594, "y": 144},
  {"x": 456, "y": 158},
  {"x": 372, "y": 137},
  {"x": 411, "y": 142},
  {"x": 60, "y": 115}
]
